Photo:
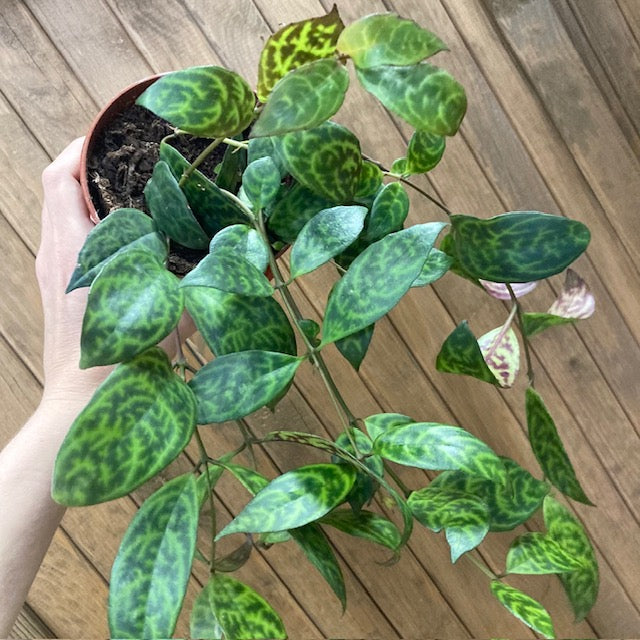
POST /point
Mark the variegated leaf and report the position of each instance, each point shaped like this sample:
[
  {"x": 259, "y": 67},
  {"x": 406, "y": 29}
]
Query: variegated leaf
[
  {"x": 501, "y": 352},
  {"x": 354, "y": 347},
  {"x": 209, "y": 101},
  {"x": 151, "y": 571},
  {"x": 500, "y": 291},
  {"x": 133, "y": 304},
  {"x": 304, "y": 98},
  {"x": 234, "y": 385},
  {"x": 537, "y": 553},
  {"x": 294, "y": 499},
  {"x": 243, "y": 241},
  {"x": 581, "y": 586},
  {"x": 370, "y": 180},
  {"x": 296, "y": 44},
  {"x": 549, "y": 450},
  {"x": 437, "y": 265},
  {"x": 366, "y": 525},
  {"x": 388, "y": 212},
  {"x": 424, "y": 152},
  {"x": 381, "y": 422},
  {"x": 386, "y": 38},
  {"x": 261, "y": 182},
  {"x": 121, "y": 439}
]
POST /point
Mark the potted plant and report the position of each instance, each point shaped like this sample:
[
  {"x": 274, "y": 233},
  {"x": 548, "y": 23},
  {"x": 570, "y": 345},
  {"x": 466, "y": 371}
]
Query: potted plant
[{"x": 288, "y": 176}]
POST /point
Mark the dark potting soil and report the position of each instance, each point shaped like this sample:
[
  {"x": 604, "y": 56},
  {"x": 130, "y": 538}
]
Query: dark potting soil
[{"x": 122, "y": 162}]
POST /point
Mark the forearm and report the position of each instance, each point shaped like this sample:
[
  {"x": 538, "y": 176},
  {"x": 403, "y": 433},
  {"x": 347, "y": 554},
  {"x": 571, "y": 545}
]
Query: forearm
[{"x": 29, "y": 515}]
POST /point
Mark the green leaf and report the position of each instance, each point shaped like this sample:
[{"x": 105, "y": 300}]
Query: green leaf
[
  {"x": 234, "y": 385},
  {"x": 549, "y": 450},
  {"x": 464, "y": 517},
  {"x": 387, "y": 38},
  {"x": 461, "y": 354},
  {"x": 227, "y": 607},
  {"x": 510, "y": 503},
  {"x": 534, "y": 323},
  {"x": 293, "y": 210},
  {"x": 121, "y": 230},
  {"x": 429, "y": 445},
  {"x": 229, "y": 322},
  {"x": 304, "y": 98},
  {"x": 581, "y": 586},
  {"x": 132, "y": 305},
  {"x": 381, "y": 422},
  {"x": 251, "y": 480},
  {"x": 366, "y": 525},
  {"x": 426, "y": 97},
  {"x": 236, "y": 558},
  {"x": 424, "y": 152},
  {"x": 311, "y": 329},
  {"x": 370, "y": 180},
  {"x": 212, "y": 207},
  {"x": 294, "y": 499},
  {"x": 261, "y": 182},
  {"x": 524, "y": 607},
  {"x": 437, "y": 264},
  {"x": 325, "y": 159},
  {"x": 315, "y": 546},
  {"x": 535, "y": 553},
  {"x": 210, "y": 102},
  {"x": 518, "y": 246},
  {"x": 243, "y": 241},
  {"x": 170, "y": 209},
  {"x": 229, "y": 172},
  {"x": 296, "y": 44},
  {"x": 151, "y": 571},
  {"x": 354, "y": 347},
  {"x": 124, "y": 437},
  {"x": 328, "y": 233},
  {"x": 228, "y": 271},
  {"x": 501, "y": 352},
  {"x": 265, "y": 148},
  {"x": 388, "y": 212},
  {"x": 358, "y": 299}
]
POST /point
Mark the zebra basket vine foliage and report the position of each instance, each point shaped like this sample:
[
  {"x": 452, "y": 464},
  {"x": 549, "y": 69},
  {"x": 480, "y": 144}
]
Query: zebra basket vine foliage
[{"x": 292, "y": 177}]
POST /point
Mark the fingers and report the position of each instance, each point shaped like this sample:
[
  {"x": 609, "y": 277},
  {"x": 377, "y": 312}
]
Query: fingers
[{"x": 66, "y": 164}]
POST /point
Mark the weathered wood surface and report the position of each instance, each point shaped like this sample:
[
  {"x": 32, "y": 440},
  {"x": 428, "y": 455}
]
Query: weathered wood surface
[{"x": 553, "y": 124}]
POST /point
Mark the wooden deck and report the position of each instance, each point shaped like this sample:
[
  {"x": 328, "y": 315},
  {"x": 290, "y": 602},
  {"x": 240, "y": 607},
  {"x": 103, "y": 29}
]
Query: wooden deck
[{"x": 553, "y": 124}]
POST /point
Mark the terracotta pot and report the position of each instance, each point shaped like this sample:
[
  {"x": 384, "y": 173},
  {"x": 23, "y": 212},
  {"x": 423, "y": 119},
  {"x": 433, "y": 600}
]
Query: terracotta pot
[{"x": 125, "y": 99}]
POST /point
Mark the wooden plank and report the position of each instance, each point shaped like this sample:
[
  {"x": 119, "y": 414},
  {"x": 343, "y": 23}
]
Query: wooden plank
[{"x": 29, "y": 625}]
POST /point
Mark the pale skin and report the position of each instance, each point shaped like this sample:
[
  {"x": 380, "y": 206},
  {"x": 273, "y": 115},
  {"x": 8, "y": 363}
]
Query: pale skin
[{"x": 25, "y": 488}]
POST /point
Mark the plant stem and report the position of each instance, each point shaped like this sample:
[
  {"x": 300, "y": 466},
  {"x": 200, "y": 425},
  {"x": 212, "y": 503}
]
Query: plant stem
[
  {"x": 199, "y": 160},
  {"x": 248, "y": 440},
  {"x": 481, "y": 565},
  {"x": 204, "y": 459},
  {"x": 525, "y": 340},
  {"x": 239, "y": 144}
]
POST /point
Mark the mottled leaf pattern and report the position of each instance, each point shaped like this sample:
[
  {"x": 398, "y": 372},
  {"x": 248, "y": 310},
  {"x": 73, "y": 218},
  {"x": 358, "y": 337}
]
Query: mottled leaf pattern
[
  {"x": 518, "y": 246},
  {"x": 121, "y": 230},
  {"x": 429, "y": 445},
  {"x": 524, "y": 607},
  {"x": 132, "y": 305},
  {"x": 235, "y": 385},
  {"x": 366, "y": 525},
  {"x": 581, "y": 586},
  {"x": 575, "y": 299},
  {"x": 370, "y": 180},
  {"x": 328, "y": 233},
  {"x": 500, "y": 291},
  {"x": 150, "y": 573},
  {"x": 170, "y": 209},
  {"x": 510, "y": 503},
  {"x": 265, "y": 148},
  {"x": 293, "y": 210},
  {"x": 354, "y": 347},
  {"x": 381, "y": 422},
  {"x": 121, "y": 439},
  {"x": 501, "y": 352},
  {"x": 464, "y": 517},
  {"x": 437, "y": 264},
  {"x": 243, "y": 241},
  {"x": 423, "y": 95},
  {"x": 261, "y": 182},
  {"x": 534, "y": 323},
  {"x": 325, "y": 159},
  {"x": 387, "y": 39},
  {"x": 229, "y": 322},
  {"x": 210, "y": 102},
  {"x": 549, "y": 450},
  {"x": 236, "y": 558},
  {"x": 388, "y": 212},
  {"x": 461, "y": 354},
  {"x": 231, "y": 608},
  {"x": 536, "y": 553},
  {"x": 304, "y": 98},
  {"x": 315, "y": 546},
  {"x": 296, "y": 44},
  {"x": 424, "y": 152},
  {"x": 230, "y": 272},
  {"x": 213, "y": 209},
  {"x": 294, "y": 499},
  {"x": 358, "y": 300}
]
